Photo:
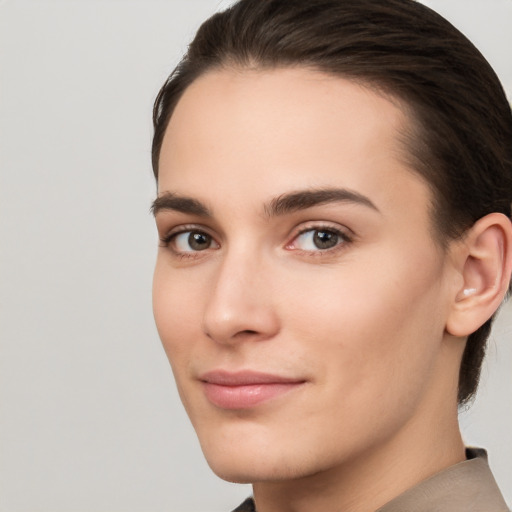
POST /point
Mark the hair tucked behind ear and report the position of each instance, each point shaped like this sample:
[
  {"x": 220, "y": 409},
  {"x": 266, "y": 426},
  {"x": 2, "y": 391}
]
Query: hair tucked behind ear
[{"x": 460, "y": 131}]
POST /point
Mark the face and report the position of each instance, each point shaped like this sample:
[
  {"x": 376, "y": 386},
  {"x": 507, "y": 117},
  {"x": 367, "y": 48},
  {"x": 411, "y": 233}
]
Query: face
[{"x": 298, "y": 292}]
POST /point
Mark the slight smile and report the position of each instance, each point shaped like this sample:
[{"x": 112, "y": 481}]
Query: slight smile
[{"x": 245, "y": 389}]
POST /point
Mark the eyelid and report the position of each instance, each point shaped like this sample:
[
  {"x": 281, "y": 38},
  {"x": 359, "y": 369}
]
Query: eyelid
[
  {"x": 346, "y": 235},
  {"x": 165, "y": 240}
]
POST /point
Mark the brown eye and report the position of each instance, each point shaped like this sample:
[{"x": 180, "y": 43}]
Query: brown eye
[
  {"x": 325, "y": 239},
  {"x": 319, "y": 239},
  {"x": 192, "y": 241},
  {"x": 199, "y": 241}
]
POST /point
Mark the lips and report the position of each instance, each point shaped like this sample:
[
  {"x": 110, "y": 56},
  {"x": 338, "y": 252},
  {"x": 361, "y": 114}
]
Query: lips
[{"x": 246, "y": 389}]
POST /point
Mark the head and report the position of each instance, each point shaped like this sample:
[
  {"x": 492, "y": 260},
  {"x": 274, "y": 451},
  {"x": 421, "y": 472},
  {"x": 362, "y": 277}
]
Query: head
[
  {"x": 449, "y": 141},
  {"x": 459, "y": 132}
]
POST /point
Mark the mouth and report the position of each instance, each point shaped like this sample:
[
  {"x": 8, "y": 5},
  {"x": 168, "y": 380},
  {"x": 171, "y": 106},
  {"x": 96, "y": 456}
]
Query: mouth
[{"x": 245, "y": 389}]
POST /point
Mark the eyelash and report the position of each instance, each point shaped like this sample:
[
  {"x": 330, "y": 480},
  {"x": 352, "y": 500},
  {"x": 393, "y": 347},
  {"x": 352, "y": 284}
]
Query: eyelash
[
  {"x": 343, "y": 240},
  {"x": 166, "y": 241}
]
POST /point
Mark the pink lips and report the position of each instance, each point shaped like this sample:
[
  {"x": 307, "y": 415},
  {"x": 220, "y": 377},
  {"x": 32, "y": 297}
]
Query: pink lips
[{"x": 246, "y": 389}]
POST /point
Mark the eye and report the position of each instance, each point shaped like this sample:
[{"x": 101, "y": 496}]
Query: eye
[
  {"x": 190, "y": 241},
  {"x": 318, "y": 239}
]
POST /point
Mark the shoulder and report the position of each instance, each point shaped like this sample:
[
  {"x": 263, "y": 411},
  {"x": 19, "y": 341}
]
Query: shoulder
[{"x": 465, "y": 487}]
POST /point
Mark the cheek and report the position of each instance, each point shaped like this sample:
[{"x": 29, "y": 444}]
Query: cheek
[
  {"x": 175, "y": 308},
  {"x": 372, "y": 334}
]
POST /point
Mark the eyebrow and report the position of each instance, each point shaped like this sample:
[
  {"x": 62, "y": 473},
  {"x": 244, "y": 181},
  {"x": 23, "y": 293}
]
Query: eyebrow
[
  {"x": 303, "y": 199},
  {"x": 183, "y": 204},
  {"x": 281, "y": 205}
]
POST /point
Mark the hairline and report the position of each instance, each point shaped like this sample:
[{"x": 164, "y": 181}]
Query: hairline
[{"x": 406, "y": 135}]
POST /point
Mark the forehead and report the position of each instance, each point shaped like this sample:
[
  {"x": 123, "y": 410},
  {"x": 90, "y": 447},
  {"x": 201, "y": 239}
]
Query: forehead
[
  {"x": 272, "y": 131},
  {"x": 292, "y": 103}
]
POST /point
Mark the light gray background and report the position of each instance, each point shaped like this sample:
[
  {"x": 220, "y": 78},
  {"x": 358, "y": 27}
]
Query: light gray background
[{"x": 90, "y": 419}]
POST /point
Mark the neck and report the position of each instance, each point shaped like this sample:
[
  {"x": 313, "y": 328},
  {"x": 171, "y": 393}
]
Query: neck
[{"x": 371, "y": 479}]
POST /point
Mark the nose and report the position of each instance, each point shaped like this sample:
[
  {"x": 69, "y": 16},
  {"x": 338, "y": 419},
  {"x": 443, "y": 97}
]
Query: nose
[{"x": 240, "y": 306}]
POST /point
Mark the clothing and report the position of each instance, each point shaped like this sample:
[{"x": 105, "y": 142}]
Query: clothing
[
  {"x": 246, "y": 506},
  {"x": 465, "y": 487}
]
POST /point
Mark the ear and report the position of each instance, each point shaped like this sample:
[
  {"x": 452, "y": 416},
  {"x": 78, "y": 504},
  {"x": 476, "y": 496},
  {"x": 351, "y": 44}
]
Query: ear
[{"x": 484, "y": 260}]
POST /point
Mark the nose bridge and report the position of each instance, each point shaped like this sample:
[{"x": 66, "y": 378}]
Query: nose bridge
[{"x": 240, "y": 302}]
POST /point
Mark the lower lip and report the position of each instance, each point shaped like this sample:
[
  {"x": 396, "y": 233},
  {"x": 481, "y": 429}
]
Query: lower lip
[{"x": 246, "y": 396}]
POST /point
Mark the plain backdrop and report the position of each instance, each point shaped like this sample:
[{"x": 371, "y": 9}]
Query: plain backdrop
[{"x": 90, "y": 419}]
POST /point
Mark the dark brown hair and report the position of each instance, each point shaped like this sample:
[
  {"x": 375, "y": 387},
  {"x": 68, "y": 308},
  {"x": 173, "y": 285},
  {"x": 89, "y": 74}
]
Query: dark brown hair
[{"x": 459, "y": 137}]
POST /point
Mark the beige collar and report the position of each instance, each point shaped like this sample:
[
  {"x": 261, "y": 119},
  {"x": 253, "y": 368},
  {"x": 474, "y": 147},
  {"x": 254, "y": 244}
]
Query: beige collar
[{"x": 465, "y": 487}]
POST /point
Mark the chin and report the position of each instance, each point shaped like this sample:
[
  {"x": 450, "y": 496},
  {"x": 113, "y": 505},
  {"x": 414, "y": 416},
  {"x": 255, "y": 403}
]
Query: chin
[
  {"x": 252, "y": 462},
  {"x": 230, "y": 475},
  {"x": 247, "y": 472},
  {"x": 240, "y": 464}
]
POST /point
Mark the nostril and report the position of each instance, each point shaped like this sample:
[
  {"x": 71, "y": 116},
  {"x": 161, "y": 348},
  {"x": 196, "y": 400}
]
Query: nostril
[
  {"x": 246, "y": 334},
  {"x": 230, "y": 319}
]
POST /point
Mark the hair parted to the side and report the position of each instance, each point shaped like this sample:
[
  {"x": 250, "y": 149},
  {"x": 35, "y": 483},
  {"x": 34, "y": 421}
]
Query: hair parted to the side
[{"x": 459, "y": 137}]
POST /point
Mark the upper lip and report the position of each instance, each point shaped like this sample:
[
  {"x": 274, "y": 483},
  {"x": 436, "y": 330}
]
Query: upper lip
[{"x": 245, "y": 378}]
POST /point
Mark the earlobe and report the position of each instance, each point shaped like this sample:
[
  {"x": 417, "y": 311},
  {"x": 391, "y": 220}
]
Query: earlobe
[{"x": 485, "y": 261}]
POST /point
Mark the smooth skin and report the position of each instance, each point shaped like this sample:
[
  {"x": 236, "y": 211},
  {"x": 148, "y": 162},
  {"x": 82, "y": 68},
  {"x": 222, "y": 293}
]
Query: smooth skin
[{"x": 295, "y": 241}]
